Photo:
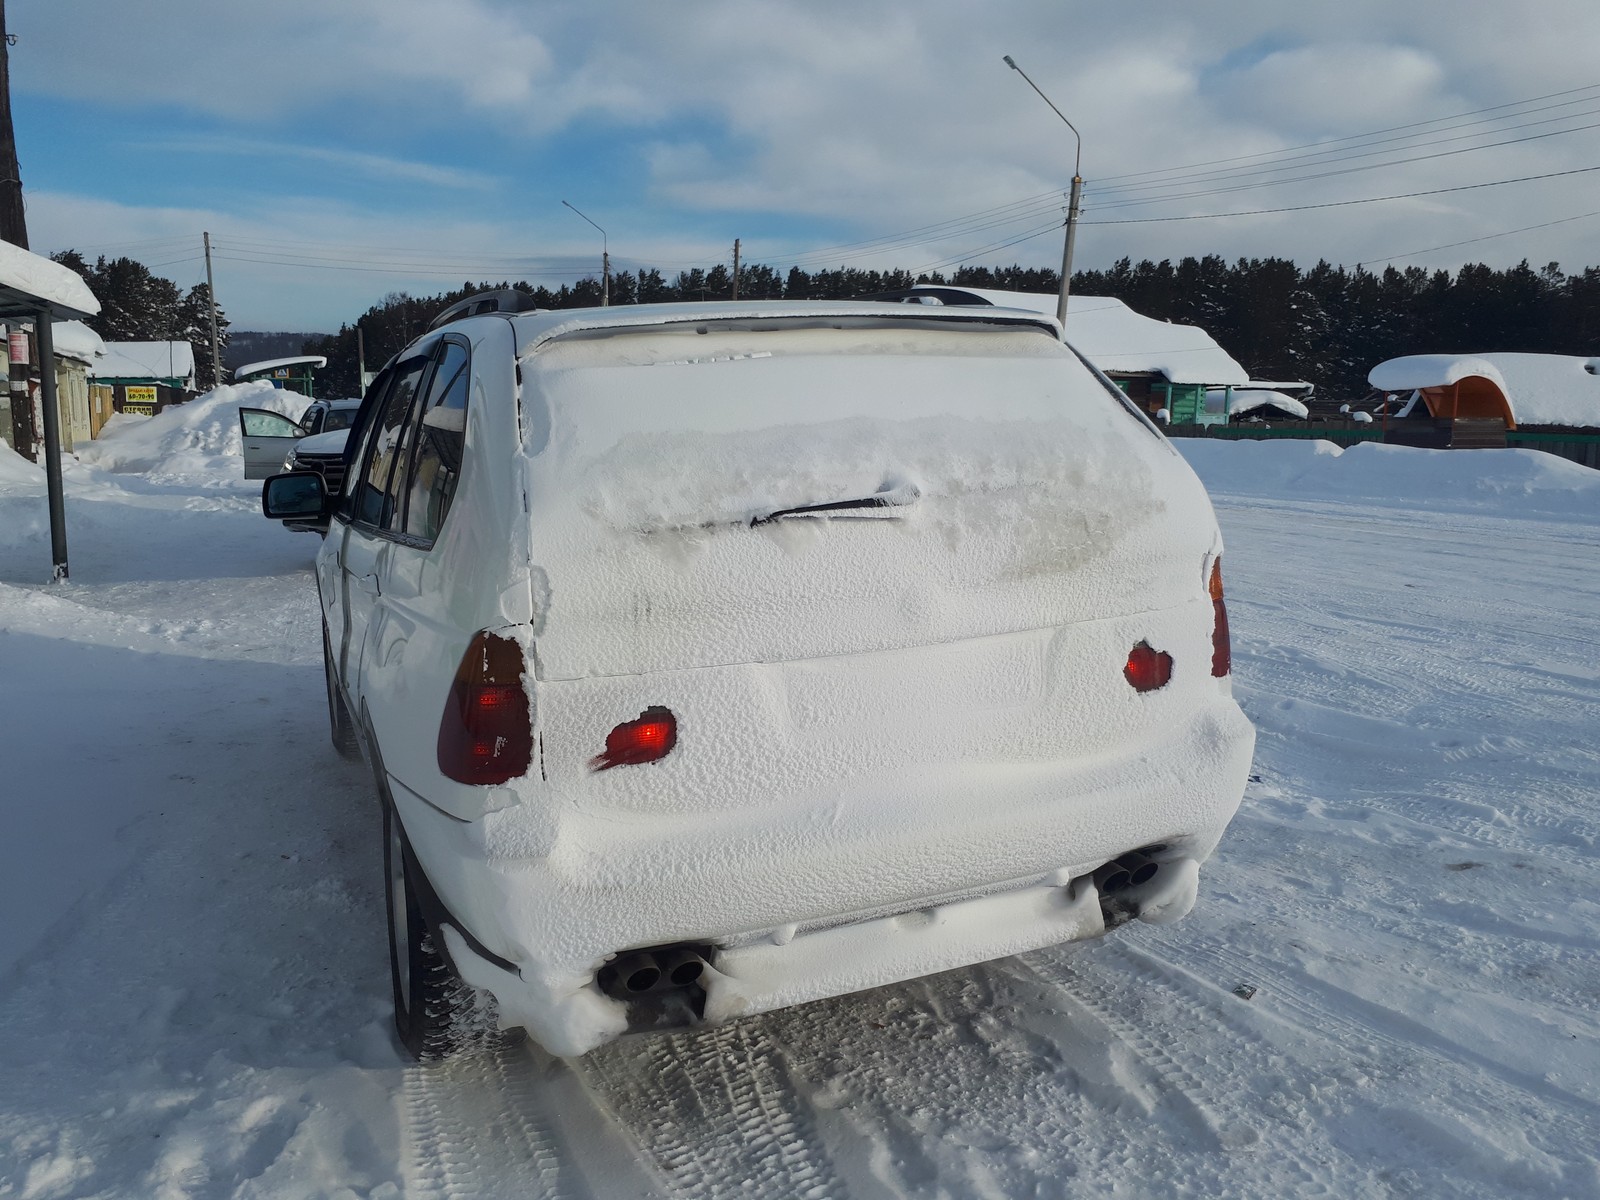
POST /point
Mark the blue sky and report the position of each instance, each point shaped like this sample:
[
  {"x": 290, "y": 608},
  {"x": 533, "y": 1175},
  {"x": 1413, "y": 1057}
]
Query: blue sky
[{"x": 340, "y": 151}]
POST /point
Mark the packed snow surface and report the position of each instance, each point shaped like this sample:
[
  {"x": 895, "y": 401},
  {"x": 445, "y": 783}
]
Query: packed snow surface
[
  {"x": 1542, "y": 389},
  {"x": 39, "y": 276},
  {"x": 1388, "y": 988}
]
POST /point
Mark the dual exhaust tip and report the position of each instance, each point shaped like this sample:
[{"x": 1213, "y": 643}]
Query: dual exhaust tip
[
  {"x": 1129, "y": 870},
  {"x": 641, "y": 972}
]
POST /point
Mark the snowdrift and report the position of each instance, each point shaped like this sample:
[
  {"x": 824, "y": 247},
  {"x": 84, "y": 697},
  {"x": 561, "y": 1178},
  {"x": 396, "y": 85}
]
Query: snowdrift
[
  {"x": 198, "y": 438},
  {"x": 1508, "y": 483}
]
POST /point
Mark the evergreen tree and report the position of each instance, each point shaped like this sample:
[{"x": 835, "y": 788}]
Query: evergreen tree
[{"x": 194, "y": 316}]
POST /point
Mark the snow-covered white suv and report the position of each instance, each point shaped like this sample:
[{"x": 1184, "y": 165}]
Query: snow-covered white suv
[{"x": 717, "y": 658}]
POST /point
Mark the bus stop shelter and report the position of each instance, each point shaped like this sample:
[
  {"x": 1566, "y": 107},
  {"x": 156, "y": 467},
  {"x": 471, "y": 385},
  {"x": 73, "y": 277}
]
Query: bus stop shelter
[
  {"x": 293, "y": 373},
  {"x": 34, "y": 289}
]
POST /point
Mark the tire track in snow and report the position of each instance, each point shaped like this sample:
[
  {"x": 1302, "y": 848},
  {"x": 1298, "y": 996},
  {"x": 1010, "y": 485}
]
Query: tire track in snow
[
  {"x": 474, "y": 1130},
  {"x": 1109, "y": 990},
  {"x": 1351, "y": 1021},
  {"x": 716, "y": 1112}
]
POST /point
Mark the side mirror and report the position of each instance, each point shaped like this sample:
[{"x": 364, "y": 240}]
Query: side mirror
[{"x": 296, "y": 496}]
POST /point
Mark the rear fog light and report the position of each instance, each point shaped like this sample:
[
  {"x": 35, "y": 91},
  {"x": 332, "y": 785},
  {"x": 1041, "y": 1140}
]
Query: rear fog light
[
  {"x": 1148, "y": 668},
  {"x": 646, "y": 739}
]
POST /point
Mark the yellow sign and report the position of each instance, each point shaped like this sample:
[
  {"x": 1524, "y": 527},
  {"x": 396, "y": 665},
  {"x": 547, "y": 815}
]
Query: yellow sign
[{"x": 141, "y": 401}]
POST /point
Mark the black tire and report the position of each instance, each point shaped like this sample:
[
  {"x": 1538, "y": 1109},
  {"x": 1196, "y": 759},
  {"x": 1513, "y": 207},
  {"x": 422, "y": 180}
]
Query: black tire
[
  {"x": 436, "y": 1014},
  {"x": 341, "y": 729}
]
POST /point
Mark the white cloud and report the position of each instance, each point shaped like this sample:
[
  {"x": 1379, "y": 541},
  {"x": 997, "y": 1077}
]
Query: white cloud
[{"x": 872, "y": 119}]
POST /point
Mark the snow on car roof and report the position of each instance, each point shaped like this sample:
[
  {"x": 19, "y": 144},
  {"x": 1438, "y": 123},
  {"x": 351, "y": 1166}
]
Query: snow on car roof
[
  {"x": 536, "y": 328},
  {"x": 1542, "y": 389},
  {"x": 1115, "y": 338}
]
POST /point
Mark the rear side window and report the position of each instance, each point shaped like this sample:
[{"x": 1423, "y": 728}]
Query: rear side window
[
  {"x": 378, "y": 495},
  {"x": 439, "y": 443}
]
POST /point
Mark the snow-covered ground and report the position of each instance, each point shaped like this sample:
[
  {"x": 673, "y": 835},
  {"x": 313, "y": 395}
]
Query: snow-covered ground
[{"x": 193, "y": 980}]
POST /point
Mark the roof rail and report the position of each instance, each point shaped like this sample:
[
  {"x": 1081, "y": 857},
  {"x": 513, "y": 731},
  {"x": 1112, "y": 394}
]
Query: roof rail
[{"x": 506, "y": 300}]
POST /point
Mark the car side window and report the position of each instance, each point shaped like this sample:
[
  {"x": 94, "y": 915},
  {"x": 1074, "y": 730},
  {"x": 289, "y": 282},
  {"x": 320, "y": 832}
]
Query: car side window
[
  {"x": 376, "y": 495},
  {"x": 439, "y": 445}
]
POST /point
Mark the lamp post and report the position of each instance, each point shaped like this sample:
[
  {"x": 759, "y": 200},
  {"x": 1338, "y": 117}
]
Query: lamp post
[
  {"x": 1072, "y": 203},
  {"x": 605, "y": 261}
]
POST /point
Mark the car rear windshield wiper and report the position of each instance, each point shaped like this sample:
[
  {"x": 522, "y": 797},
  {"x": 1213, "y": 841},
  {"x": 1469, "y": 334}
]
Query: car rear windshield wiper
[{"x": 891, "y": 496}]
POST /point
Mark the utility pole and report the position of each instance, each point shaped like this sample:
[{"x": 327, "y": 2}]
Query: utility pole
[
  {"x": 361, "y": 360},
  {"x": 211, "y": 297},
  {"x": 605, "y": 260},
  {"x": 13, "y": 219},
  {"x": 1072, "y": 203},
  {"x": 735, "y": 268}
]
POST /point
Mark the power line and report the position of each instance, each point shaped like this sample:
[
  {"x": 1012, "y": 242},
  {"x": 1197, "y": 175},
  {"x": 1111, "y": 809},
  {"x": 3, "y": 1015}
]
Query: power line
[
  {"x": 1325, "y": 158},
  {"x": 1488, "y": 237},
  {"x": 1261, "y": 212},
  {"x": 1356, "y": 136},
  {"x": 1347, "y": 170}
]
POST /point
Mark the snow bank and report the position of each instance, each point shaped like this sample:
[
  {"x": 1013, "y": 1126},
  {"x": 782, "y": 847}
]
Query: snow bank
[
  {"x": 16, "y": 471},
  {"x": 1508, "y": 482},
  {"x": 38, "y": 276},
  {"x": 198, "y": 438}
]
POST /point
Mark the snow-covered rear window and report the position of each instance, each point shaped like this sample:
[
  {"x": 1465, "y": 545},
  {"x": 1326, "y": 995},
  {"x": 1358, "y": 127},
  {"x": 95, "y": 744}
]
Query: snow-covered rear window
[{"x": 673, "y": 427}]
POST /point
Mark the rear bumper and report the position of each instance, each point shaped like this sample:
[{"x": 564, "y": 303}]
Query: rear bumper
[{"x": 894, "y": 877}]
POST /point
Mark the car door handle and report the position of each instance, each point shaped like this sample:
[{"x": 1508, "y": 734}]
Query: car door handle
[{"x": 367, "y": 583}]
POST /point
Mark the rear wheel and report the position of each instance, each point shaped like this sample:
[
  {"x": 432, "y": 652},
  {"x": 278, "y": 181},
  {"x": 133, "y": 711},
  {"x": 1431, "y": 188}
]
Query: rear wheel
[
  {"x": 436, "y": 1014},
  {"x": 341, "y": 729}
]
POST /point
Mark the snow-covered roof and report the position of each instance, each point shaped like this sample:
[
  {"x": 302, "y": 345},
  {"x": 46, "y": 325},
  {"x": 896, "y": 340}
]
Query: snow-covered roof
[
  {"x": 1117, "y": 339},
  {"x": 145, "y": 360},
  {"x": 1542, "y": 389},
  {"x": 1245, "y": 400},
  {"x": 314, "y": 361},
  {"x": 38, "y": 277},
  {"x": 74, "y": 339}
]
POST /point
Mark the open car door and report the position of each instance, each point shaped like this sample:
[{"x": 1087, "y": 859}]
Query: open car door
[{"x": 268, "y": 437}]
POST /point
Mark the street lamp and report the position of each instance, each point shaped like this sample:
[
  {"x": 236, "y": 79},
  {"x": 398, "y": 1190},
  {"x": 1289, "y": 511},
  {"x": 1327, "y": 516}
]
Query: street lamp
[
  {"x": 1072, "y": 204},
  {"x": 605, "y": 262}
]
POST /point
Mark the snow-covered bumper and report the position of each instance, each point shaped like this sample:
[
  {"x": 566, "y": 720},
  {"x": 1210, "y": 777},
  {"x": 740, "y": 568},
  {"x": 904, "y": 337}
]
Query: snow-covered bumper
[{"x": 880, "y": 878}]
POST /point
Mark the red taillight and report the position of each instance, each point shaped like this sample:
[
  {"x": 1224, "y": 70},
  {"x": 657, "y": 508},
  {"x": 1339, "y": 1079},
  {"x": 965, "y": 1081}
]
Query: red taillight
[
  {"x": 652, "y": 736},
  {"x": 486, "y": 733},
  {"x": 1148, "y": 668},
  {"x": 1221, "y": 645}
]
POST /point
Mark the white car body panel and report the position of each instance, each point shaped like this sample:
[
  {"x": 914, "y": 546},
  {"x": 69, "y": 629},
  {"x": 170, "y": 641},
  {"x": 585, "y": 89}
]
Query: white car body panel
[{"x": 878, "y": 718}]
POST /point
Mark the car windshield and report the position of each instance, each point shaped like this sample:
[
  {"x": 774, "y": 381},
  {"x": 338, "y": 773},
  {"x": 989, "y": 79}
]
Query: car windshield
[{"x": 338, "y": 418}]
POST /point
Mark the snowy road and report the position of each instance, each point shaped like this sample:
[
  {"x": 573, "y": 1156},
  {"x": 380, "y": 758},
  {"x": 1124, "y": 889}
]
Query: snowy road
[{"x": 193, "y": 985}]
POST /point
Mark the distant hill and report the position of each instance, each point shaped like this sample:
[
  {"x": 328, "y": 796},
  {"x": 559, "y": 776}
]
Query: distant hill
[{"x": 248, "y": 346}]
